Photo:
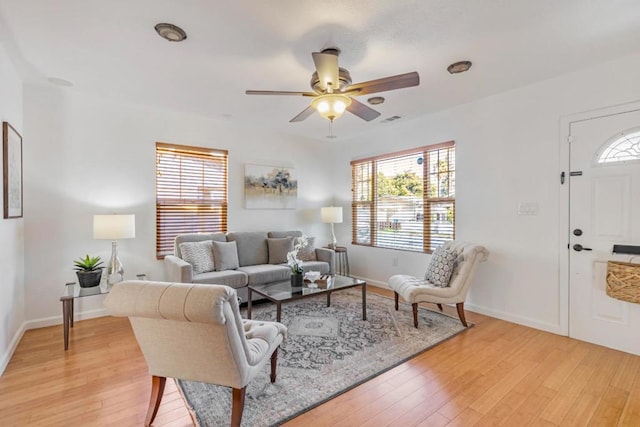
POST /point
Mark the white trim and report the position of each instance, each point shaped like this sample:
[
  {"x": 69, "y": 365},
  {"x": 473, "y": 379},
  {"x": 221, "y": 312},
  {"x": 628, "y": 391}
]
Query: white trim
[
  {"x": 6, "y": 357},
  {"x": 564, "y": 163},
  {"x": 521, "y": 320},
  {"x": 41, "y": 323},
  {"x": 57, "y": 320},
  {"x": 554, "y": 328}
]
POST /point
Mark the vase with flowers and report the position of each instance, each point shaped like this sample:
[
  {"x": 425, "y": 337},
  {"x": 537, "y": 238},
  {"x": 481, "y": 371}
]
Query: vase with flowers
[{"x": 297, "y": 269}]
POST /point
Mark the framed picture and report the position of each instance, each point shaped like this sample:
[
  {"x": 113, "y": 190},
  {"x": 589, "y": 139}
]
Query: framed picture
[
  {"x": 12, "y": 171},
  {"x": 270, "y": 187}
]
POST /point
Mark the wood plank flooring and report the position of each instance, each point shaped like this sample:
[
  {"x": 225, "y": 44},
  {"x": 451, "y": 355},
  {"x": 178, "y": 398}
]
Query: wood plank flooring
[{"x": 496, "y": 373}]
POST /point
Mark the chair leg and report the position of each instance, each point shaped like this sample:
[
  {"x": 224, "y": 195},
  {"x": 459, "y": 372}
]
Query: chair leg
[
  {"x": 415, "y": 314},
  {"x": 237, "y": 406},
  {"x": 395, "y": 294},
  {"x": 157, "y": 389},
  {"x": 274, "y": 364},
  {"x": 460, "y": 307},
  {"x": 440, "y": 307}
]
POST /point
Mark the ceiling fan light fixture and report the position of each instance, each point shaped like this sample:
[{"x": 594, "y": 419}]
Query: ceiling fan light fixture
[
  {"x": 170, "y": 32},
  {"x": 331, "y": 106}
]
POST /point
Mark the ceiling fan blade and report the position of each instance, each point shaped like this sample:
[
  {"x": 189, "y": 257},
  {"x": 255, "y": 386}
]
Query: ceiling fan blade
[
  {"x": 387, "y": 83},
  {"x": 278, "y": 92},
  {"x": 303, "y": 114},
  {"x": 327, "y": 68},
  {"x": 362, "y": 111}
]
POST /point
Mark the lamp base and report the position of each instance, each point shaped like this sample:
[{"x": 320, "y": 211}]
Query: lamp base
[{"x": 115, "y": 269}]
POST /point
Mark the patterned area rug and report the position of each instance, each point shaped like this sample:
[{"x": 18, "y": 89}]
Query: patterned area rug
[{"x": 327, "y": 352}]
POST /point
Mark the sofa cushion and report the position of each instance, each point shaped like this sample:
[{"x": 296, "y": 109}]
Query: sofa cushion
[
  {"x": 225, "y": 256},
  {"x": 278, "y": 249},
  {"x": 308, "y": 251},
  {"x": 196, "y": 237},
  {"x": 441, "y": 266},
  {"x": 266, "y": 273},
  {"x": 321, "y": 266},
  {"x": 199, "y": 255},
  {"x": 289, "y": 233},
  {"x": 232, "y": 278},
  {"x": 252, "y": 247}
]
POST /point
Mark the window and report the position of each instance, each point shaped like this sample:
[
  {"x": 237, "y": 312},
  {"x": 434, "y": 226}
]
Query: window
[
  {"x": 405, "y": 200},
  {"x": 624, "y": 147},
  {"x": 191, "y": 193}
]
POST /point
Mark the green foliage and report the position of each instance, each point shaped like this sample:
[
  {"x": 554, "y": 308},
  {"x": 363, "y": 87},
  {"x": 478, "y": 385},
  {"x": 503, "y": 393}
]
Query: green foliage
[
  {"x": 403, "y": 184},
  {"x": 88, "y": 263}
]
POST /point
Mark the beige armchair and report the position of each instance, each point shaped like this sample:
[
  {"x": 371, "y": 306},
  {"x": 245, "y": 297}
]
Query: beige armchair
[
  {"x": 415, "y": 290},
  {"x": 194, "y": 332}
]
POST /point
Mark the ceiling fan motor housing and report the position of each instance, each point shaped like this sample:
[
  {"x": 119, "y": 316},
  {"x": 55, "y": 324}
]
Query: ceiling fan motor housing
[{"x": 343, "y": 77}]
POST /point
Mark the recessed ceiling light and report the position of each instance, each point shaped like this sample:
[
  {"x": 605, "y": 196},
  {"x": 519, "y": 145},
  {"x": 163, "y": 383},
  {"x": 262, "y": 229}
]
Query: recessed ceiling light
[
  {"x": 170, "y": 32},
  {"x": 59, "y": 82},
  {"x": 376, "y": 100},
  {"x": 459, "y": 67}
]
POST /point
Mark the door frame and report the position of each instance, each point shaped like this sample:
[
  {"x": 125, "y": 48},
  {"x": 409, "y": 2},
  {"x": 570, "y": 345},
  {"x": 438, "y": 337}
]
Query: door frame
[{"x": 563, "y": 231}]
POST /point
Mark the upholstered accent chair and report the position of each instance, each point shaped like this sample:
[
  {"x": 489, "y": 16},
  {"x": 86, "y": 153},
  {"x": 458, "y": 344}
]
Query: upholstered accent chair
[
  {"x": 194, "y": 332},
  {"x": 416, "y": 290}
]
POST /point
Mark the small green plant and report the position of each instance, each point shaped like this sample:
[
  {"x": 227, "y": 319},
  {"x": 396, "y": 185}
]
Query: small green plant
[{"x": 88, "y": 263}]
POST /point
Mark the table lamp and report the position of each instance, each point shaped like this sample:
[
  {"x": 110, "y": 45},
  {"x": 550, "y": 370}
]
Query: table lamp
[
  {"x": 114, "y": 227},
  {"x": 332, "y": 215}
]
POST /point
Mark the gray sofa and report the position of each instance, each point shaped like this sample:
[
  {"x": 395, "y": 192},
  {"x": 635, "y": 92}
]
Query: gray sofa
[{"x": 253, "y": 266}]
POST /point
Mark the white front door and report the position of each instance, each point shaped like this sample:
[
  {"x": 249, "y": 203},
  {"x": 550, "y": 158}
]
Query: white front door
[{"x": 604, "y": 210}]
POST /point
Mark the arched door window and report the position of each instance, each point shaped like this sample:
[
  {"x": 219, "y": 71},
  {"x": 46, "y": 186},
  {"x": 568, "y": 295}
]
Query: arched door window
[{"x": 622, "y": 147}]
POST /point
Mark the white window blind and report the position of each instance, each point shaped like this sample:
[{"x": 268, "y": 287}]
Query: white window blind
[
  {"x": 405, "y": 200},
  {"x": 191, "y": 193}
]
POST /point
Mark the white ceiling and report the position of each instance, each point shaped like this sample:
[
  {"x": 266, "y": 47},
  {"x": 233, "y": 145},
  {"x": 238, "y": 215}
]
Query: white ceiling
[{"x": 110, "y": 48}]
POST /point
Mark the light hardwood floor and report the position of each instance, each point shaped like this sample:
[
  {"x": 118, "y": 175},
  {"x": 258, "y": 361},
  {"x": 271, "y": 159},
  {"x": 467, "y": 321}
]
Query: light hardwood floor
[{"x": 496, "y": 373}]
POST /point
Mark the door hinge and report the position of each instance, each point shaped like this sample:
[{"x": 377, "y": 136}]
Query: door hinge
[{"x": 569, "y": 139}]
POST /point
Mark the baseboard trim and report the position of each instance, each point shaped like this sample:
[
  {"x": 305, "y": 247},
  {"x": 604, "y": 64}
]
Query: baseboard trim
[
  {"x": 502, "y": 315},
  {"x": 6, "y": 357},
  {"x": 554, "y": 328},
  {"x": 57, "y": 320},
  {"x": 42, "y": 323}
]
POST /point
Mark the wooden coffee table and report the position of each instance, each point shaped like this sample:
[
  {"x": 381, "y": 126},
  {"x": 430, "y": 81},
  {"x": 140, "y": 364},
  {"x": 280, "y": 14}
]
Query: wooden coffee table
[{"x": 279, "y": 292}]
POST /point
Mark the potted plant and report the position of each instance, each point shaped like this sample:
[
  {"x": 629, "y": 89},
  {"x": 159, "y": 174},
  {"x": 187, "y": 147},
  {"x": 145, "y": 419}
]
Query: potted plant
[{"x": 89, "y": 271}]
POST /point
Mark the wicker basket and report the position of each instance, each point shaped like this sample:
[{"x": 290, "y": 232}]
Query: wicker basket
[{"x": 623, "y": 281}]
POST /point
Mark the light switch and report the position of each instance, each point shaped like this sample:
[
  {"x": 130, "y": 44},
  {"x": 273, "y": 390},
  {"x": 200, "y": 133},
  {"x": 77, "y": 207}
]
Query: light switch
[{"x": 527, "y": 208}]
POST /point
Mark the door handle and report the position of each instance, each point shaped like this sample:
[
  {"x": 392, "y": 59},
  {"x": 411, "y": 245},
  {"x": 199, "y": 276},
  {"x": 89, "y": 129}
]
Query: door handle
[{"x": 578, "y": 247}]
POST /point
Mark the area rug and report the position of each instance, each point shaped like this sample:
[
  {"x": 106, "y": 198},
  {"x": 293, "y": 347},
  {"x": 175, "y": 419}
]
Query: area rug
[{"x": 328, "y": 351}]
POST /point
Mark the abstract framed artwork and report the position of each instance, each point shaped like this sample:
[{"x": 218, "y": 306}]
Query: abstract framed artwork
[
  {"x": 270, "y": 187},
  {"x": 12, "y": 171}
]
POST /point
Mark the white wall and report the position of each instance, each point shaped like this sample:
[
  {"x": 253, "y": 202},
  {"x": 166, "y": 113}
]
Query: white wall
[
  {"x": 12, "y": 297},
  {"x": 507, "y": 152},
  {"x": 89, "y": 155}
]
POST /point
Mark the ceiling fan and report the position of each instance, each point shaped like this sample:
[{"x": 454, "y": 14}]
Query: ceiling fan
[{"x": 334, "y": 93}]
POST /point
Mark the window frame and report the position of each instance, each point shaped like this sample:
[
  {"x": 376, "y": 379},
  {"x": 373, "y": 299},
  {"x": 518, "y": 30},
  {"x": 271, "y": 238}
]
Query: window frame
[
  {"x": 371, "y": 199},
  {"x": 199, "y": 198}
]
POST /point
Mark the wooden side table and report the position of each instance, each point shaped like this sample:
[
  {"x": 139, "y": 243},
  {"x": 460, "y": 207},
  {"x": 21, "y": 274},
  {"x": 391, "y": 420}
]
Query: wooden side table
[{"x": 342, "y": 260}]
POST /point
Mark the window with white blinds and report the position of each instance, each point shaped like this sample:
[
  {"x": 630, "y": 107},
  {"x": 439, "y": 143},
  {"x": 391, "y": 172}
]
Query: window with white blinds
[
  {"x": 191, "y": 193},
  {"x": 405, "y": 200}
]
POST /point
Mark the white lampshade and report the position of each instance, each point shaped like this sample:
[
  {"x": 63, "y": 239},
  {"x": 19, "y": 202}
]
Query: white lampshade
[
  {"x": 331, "y": 215},
  {"x": 114, "y": 227}
]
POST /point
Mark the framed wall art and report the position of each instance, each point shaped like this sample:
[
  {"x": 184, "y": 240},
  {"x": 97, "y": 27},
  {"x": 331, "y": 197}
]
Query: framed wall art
[
  {"x": 12, "y": 171},
  {"x": 270, "y": 187}
]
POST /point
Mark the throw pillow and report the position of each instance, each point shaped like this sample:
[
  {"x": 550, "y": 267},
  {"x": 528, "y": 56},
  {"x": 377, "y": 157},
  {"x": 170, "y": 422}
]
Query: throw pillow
[
  {"x": 441, "y": 266},
  {"x": 307, "y": 252},
  {"x": 225, "y": 255},
  {"x": 199, "y": 255},
  {"x": 278, "y": 249}
]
